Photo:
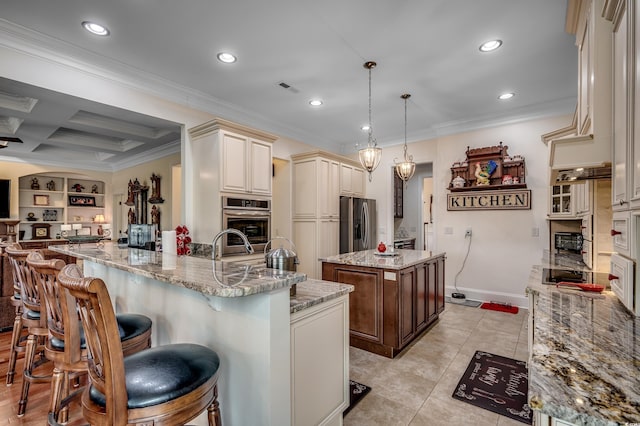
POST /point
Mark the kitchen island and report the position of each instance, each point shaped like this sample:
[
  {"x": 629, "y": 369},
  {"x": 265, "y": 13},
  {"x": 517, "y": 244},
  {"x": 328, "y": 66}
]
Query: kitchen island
[
  {"x": 397, "y": 295},
  {"x": 245, "y": 314},
  {"x": 584, "y": 359}
]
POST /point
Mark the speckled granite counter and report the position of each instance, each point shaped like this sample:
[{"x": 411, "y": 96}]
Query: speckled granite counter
[
  {"x": 371, "y": 258},
  {"x": 585, "y": 360},
  {"x": 192, "y": 299},
  {"x": 222, "y": 279},
  {"x": 313, "y": 292}
]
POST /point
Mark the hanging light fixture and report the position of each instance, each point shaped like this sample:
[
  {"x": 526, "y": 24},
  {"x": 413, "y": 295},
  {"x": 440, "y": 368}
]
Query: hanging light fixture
[
  {"x": 407, "y": 168},
  {"x": 370, "y": 156}
]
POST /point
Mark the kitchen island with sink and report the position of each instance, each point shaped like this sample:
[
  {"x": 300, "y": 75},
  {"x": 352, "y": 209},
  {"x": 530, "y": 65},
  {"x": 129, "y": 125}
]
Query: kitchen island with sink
[
  {"x": 284, "y": 360},
  {"x": 397, "y": 295}
]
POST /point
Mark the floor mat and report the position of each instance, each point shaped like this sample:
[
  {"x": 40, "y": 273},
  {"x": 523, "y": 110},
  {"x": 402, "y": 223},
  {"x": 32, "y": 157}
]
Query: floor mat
[
  {"x": 357, "y": 391},
  {"x": 463, "y": 302},
  {"x": 493, "y": 306},
  {"x": 497, "y": 384}
]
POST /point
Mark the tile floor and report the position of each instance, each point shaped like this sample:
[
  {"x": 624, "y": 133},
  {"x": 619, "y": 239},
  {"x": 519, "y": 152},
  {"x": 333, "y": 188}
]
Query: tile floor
[{"x": 415, "y": 387}]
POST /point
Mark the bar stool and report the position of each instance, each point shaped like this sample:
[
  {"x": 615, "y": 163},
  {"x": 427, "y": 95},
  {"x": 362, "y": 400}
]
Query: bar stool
[
  {"x": 66, "y": 343},
  {"x": 169, "y": 384},
  {"x": 15, "y": 298},
  {"x": 34, "y": 319}
]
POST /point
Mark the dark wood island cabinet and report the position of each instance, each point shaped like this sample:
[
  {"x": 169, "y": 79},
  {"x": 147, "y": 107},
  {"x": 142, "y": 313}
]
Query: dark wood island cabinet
[{"x": 395, "y": 298}]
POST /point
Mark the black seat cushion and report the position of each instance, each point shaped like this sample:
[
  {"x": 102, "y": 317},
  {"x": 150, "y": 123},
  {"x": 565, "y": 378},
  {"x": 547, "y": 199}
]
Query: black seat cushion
[
  {"x": 32, "y": 315},
  {"x": 164, "y": 373},
  {"x": 129, "y": 326},
  {"x": 132, "y": 325}
]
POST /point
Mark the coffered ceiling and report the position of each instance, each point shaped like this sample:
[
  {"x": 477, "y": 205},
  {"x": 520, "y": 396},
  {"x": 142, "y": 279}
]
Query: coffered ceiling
[{"x": 426, "y": 48}]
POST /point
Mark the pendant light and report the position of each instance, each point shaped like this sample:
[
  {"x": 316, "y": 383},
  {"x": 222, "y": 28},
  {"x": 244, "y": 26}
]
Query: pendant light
[
  {"x": 370, "y": 156},
  {"x": 407, "y": 168}
]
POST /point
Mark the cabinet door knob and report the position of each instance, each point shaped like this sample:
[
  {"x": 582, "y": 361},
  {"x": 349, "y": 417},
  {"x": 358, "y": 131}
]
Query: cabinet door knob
[
  {"x": 622, "y": 202},
  {"x": 614, "y": 232},
  {"x": 612, "y": 277}
]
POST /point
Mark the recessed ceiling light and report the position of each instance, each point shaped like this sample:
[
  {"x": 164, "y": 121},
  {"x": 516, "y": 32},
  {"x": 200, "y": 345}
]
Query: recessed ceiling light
[
  {"x": 506, "y": 96},
  {"x": 365, "y": 127},
  {"x": 96, "y": 29},
  {"x": 580, "y": 169},
  {"x": 490, "y": 45},
  {"x": 315, "y": 102},
  {"x": 227, "y": 58}
]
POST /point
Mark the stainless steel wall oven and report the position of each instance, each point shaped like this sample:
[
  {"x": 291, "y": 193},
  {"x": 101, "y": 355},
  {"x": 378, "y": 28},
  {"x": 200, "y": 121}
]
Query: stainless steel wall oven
[{"x": 252, "y": 217}]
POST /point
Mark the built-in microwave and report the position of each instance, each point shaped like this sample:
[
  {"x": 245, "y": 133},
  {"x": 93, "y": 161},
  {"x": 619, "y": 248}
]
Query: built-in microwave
[{"x": 250, "y": 216}]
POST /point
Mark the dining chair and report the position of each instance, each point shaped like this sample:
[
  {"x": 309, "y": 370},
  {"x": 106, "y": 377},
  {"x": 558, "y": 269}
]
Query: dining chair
[{"x": 168, "y": 385}]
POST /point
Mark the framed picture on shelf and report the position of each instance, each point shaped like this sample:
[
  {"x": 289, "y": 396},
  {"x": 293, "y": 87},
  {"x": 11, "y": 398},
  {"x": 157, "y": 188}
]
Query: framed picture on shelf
[
  {"x": 84, "y": 231},
  {"x": 82, "y": 200},
  {"x": 40, "y": 200}
]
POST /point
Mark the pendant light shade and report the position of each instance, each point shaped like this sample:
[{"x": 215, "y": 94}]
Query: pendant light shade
[
  {"x": 371, "y": 155},
  {"x": 407, "y": 168}
]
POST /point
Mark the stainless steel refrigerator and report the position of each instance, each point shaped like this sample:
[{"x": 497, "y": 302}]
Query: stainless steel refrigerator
[{"x": 357, "y": 224}]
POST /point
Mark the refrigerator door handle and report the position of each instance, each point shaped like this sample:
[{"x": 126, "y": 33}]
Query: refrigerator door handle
[{"x": 365, "y": 221}]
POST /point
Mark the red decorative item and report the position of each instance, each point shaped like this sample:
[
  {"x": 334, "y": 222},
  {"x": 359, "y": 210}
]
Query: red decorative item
[
  {"x": 381, "y": 247},
  {"x": 182, "y": 240},
  {"x": 502, "y": 307}
]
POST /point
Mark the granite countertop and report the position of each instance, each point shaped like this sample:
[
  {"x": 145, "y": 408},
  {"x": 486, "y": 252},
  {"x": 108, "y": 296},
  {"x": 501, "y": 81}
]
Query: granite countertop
[
  {"x": 314, "y": 292},
  {"x": 371, "y": 258},
  {"x": 585, "y": 362},
  {"x": 222, "y": 279}
]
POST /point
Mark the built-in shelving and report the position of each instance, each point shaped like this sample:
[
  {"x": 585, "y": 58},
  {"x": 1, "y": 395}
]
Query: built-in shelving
[{"x": 48, "y": 198}]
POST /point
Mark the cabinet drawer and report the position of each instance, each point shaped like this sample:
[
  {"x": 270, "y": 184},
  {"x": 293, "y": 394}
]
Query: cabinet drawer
[
  {"x": 621, "y": 280},
  {"x": 620, "y": 229}
]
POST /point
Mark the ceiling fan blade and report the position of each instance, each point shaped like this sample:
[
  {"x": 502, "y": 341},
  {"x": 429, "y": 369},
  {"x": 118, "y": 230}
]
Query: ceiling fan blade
[{"x": 8, "y": 139}]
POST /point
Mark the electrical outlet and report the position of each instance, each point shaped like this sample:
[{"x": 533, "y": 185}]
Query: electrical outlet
[{"x": 467, "y": 233}]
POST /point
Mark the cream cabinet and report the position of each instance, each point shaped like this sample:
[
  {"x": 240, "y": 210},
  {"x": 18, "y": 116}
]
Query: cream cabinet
[
  {"x": 320, "y": 363},
  {"x": 233, "y": 158},
  {"x": 246, "y": 165},
  {"x": 318, "y": 179},
  {"x": 562, "y": 202},
  {"x": 584, "y": 198},
  {"x": 593, "y": 34},
  {"x": 622, "y": 145},
  {"x": 352, "y": 180}
]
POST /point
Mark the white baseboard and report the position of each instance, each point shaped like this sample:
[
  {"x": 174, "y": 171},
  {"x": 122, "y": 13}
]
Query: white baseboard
[{"x": 519, "y": 300}]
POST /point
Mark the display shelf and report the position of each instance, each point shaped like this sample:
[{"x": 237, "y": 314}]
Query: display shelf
[{"x": 55, "y": 191}]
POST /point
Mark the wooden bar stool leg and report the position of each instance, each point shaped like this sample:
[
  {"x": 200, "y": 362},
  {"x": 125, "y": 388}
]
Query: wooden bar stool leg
[
  {"x": 13, "y": 355},
  {"x": 59, "y": 391},
  {"x": 29, "y": 356},
  {"x": 214, "y": 409}
]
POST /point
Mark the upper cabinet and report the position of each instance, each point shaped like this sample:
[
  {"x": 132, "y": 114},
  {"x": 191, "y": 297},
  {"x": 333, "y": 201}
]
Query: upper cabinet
[
  {"x": 352, "y": 180},
  {"x": 625, "y": 39},
  {"x": 242, "y": 155},
  {"x": 247, "y": 164},
  {"x": 586, "y": 143}
]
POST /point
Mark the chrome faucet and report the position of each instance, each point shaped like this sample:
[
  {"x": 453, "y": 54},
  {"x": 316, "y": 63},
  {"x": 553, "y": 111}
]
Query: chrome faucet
[{"x": 247, "y": 244}]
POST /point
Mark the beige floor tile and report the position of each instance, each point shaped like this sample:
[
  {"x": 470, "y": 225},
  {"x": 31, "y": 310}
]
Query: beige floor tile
[
  {"x": 415, "y": 387},
  {"x": 374, "y": 410}
]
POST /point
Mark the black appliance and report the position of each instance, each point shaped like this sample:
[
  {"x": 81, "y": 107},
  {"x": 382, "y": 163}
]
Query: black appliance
[
  {"x": 569, "y": 241},
  {"x": 554, "y": 276}
]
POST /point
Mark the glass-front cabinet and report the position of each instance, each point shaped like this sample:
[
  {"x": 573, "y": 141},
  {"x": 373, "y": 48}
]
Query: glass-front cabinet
[{"x": 562, "y": 202}]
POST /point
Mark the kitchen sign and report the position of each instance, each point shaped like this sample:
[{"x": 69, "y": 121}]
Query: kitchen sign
[{"x": 501, "y": 199}]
